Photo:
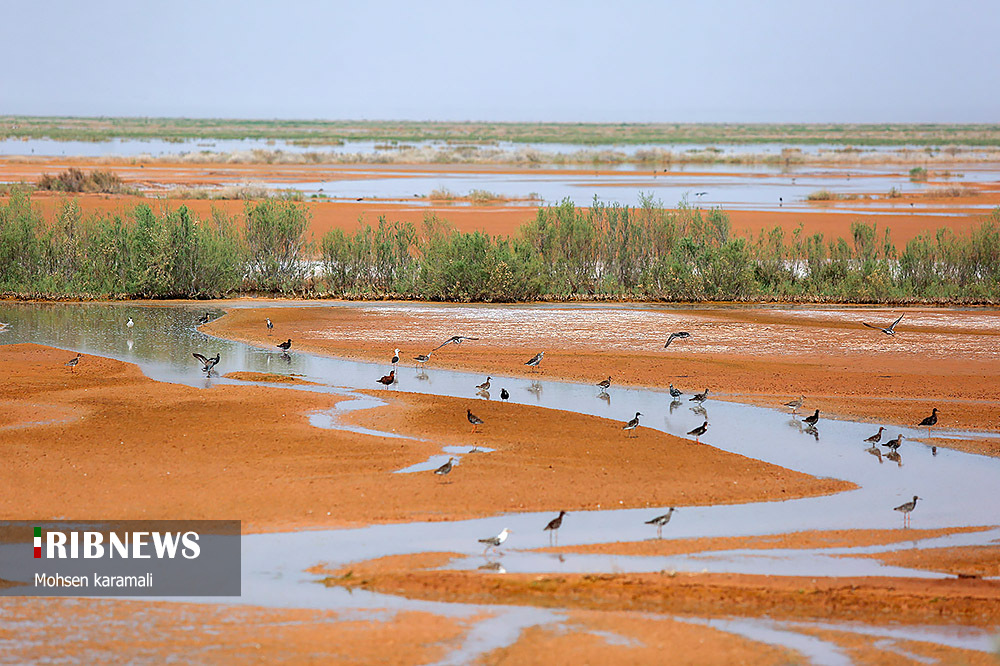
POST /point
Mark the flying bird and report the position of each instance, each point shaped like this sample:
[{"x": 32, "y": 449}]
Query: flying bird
[
  {"x": 208, "y": 363},
  {"x": 680, "y": 335},
  {"x": 457, "y": 339},
  {"x": 888, "y": 331}
]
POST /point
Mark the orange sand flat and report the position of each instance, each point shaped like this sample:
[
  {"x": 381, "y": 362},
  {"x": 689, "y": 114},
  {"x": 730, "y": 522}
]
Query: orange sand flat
[
  {"x": 135, "y": 448},
  {"x": 938, "y": 358},
  {"x": 873, "y": 600},
  {"x": 807, "y": 540},
  {"x": 34, "y": 631},
  {"x": 979, "y": 561}
]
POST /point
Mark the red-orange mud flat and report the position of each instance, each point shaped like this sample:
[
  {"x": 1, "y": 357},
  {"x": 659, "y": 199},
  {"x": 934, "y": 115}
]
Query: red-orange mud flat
[
  {"x": 944, "y": 358},
  {"x": 104, "y": 440}
]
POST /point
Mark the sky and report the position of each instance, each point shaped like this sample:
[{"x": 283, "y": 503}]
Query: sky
[{"x": 573, "y": 61}]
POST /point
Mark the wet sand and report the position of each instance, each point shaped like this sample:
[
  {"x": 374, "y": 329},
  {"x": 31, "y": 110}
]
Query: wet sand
[
  {"x": 106, "y": 441},
  {"x": 940, "y": 358}
]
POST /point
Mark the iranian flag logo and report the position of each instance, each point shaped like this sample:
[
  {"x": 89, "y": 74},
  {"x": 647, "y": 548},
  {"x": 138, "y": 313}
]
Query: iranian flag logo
[{"x": 38, "y": 543}]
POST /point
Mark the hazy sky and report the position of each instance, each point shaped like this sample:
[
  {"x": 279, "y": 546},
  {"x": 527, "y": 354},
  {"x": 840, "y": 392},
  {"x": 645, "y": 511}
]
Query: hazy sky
[{"x": 689, "y": 61}]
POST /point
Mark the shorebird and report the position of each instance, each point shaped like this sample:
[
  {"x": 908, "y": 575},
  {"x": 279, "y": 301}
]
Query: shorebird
[
  {"x": 473, "y": 419},
  {"x": 422, "y": 358},
  {"x": 285, "y": 346},
  {"x": 129, "y": 324},
  {"x": 680, "y": 335},
  {"x": 812, "y": 420},
  {"x": 795, "y": 404},
  {"x": 395, "y": 358},
  {"x": 495, "y": 541},
  {"x": 894, "y": 444},
  {"x": 535, "y": 360},
  {"x": 270, "y": 325},
  {"x": 633, "y": 424},
  {"x": 204, "y": 319},
  {"x": 504, "y": 395},
  {"x": 485, "y": 386},
  {"x": 906, "y": 508},
  {"x": 660, "y": 521},
  {"x": 457, "y": 339},
  {"x": 444, "y": 469},
  {"x": 888, "y": 331},
  {"x": 876, "y": 438},
  {"x": 73, "y": 362},
  {"x": 675, "y": 393},
  {"x": 553, "y": 527},
  {"x": 604, "y": 384},
  {"x": 700, "y": 397},
  {"x": 930, "y": 421},
  {"x": 699, "y": 431},
  {"x": 388, "y": 379},
  {"x": 209, "y": 363}
]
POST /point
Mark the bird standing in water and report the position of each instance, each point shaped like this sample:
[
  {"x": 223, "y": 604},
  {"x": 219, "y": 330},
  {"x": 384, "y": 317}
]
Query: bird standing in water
[
  {"x": 129, "y": 324},
  {"x": 675, "y": 393},
  {"x": 285, "y": 346},
  {"x": 660, "y": 521},
  {"x": 553, "y": 527},
  {"x": 605, "y": 384},
  {"x": 877, "y": 437},
  {"x": 208, "y": 363},
  {"x": 496, "y": 541},
  {"x": 795, "y": 404},
  {"x": 906, "y": 508},
  {"x": 700, "y": 397},
  {"x": 389, "y": 379},
  {"x": 504, "y": 395},
  {"x": 395, "y": 358},
  {"x": 812, "y": 420}
]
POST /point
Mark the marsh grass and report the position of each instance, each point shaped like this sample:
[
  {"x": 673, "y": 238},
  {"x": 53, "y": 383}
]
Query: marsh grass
[
  {"x": 607, "y": 252},
  {"x": 74, "y": 180}
]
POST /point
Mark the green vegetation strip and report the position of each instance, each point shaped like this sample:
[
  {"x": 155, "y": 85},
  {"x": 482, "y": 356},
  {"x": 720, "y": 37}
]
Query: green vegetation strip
[
  {"x": 322, "y": 132},
  {"x": 606, "y": 252}
]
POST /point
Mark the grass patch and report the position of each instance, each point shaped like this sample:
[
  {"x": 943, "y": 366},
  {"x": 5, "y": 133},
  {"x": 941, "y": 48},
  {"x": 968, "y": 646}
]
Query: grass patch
[
  {"x": 951, "y": 192},
  {"x": 76, "y": 181},
  {"x": 918, "y": 174},
  {"x": 822, "y": 195}
]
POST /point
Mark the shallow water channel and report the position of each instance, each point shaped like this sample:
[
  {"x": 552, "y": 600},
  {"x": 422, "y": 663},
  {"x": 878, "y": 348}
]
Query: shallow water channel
[{"x": 958, "y": 489}]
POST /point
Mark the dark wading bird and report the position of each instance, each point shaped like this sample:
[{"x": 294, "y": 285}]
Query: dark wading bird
[
  {"x": 700, "y": 397},
  {"x": 422, "y": 358},
  {"x": 699, "y": 431},
  {"x": 285, "y": 346},
  {"x": 208, "y": 363},
  {"x": 894, "y": 444},
  {"x": 553, "y": 527},
  {"x": 604, "y": 384},
  {"x": 675, "y": 393},
  {"x": 888, "y": 331},
  {"x": 930, "y": 421},
  {"x": 812, "y": 420},
  {"x": 204, "y": 319},
  {"x": 389, "y": 379},
  {"x": 73, "y": 362},
  {"x": 633, "y": 424},
  {"x": 457, "y": 339},
  {"x": 660, "y": 521},
  {"x": 679, "y": 335},
  {"x": 494, "y": 542},
  {"x": 270, "y": 325},
  {"x": 535, "y": 360},
  {"x": 906, "y": 508},
  {"x": 504, "y": 395},
  {"x": 445, "y": 469},
  {"x": 473, "y": 419},
  {"x": 877, "y": 437}
]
